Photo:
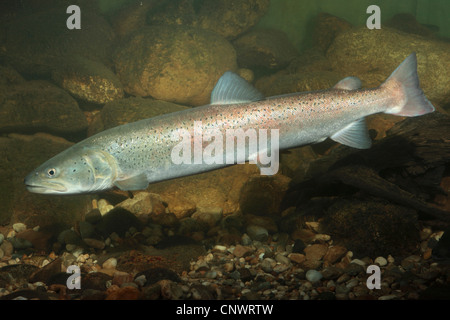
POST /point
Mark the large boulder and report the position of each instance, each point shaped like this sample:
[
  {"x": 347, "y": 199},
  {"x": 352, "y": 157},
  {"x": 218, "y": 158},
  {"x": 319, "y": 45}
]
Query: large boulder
[
  {"x": 128, "y": 110},
  {"x": 216, "y": 189},
  {"x": 174, "y": 63},
  {"x": 88, "y": 80},
  {"x": 281, "y": 83},
  {"x": 360, "y": 52},
  {"x": 19, "y": 155},
  {"x": 38, "y": 105},
  {"x": 228, "y": 18},
  {"x": 39, "y": 42},
  {"x": 264, "y": 48}
]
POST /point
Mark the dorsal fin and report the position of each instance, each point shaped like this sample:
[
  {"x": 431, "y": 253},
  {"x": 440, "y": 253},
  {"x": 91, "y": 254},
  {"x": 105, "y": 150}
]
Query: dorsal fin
[
  {"x": 349, "y": 83},
  {"x": 231, "y": 88}
]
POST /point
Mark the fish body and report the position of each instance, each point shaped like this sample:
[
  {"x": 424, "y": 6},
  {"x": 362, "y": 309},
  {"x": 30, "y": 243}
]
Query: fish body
[{"x": 133, "y": 155}]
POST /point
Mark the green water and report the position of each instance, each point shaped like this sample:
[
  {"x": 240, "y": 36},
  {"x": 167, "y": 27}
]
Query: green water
[{"x": 296, "y": 17}]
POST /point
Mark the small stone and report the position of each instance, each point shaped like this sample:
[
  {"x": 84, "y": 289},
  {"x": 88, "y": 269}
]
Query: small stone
[
  {"x": 322, "y": 237},
  {"x": 315, "y": 252},
  {"x": 20, "y": 244},
  {"x": 427, "y": 254},
  {"x": 94, "y": 243},
  {"x": 381, "y": 261},
  {"x": 313, "y": 275},
  {"x": 257, "y": 233},
  {"x": 219, "y": 248},
  {"x": 425, "y": 233},
  {"x": 86, "y": 229},
  {"x": 282, "y": 259},
  {"x": 268, "y": 264},
  {"x": 410, "y": 261},
  {"x": 280, "y": 268},
  {"x": 331, "y": 272},
  {"x": 19, "y": 227},
  {"x": 352, "y": 283},
  {"x": 228, "y": 266},
  {"x": 297, "y": 257},
  {"x": 334, "y": 254},
  {"x": 140, "y": 280},
  {"x": 2, "y": 237},
  {"x": 242, "y": 251},
  {"x": 110, "y": 263},
  {"x": 120, "y": 278},
  {"x": 358, "y": 262}
]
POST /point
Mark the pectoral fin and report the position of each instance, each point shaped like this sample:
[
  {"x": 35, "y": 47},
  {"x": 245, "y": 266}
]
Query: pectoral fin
[
  {"x": 354, "y": 135},
  {"x": 138, "y": 182}
]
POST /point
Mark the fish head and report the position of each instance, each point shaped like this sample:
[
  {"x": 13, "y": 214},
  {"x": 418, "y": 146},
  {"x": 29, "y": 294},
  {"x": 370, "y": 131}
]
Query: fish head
[{"x": 74, "y": 171}]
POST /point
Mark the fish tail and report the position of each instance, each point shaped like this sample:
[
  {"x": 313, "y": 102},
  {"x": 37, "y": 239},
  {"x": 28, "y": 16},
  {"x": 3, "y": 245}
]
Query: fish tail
[{"x": 405, "y": 78}]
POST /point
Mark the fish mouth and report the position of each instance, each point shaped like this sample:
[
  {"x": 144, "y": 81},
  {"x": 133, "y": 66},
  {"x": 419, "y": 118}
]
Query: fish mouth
[{"x": 46, "y": 189}]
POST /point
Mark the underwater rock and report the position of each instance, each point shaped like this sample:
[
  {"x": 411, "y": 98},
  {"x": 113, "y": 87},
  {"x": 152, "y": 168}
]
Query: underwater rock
[
  {"x": 257, "y": 233},
  {"x": 310, "y": 60},
  {"x": 174, "y": 63},
  {"x": 262, "y": 221},
  {"x": 143, "y": 204},
  {"x": 295, "y": 162},
  {"x": 40, "y": 240},
  {"x": 268, "y": 49},
  {"x": 380, "y": 124},
  {"x": 219, "y": 188},
  {"x": 281, "y": 83},
  {"x": 406, "y": 22},
  {"x": 88, "y": 80},
  {"x": 35, "y": 48},
  {"x": 262, "y": 195},
  {"x": 24, "y": 153},
  {"x": 36, "y": 106},
  {"x": 132, "y": 17},
  {"x": 227, "y": 18},
  {"x": 117, "y": 220},
  {"x": 373, "y": 228},
  {"x": 128, "y": 110},
  {"x": 179, "y": 205},
  {"x": 326, "y": 28},
  {"x": 9, "y": 76},
  {"x": 360, "y": 50},
  {"x": 209, "y": 216}
]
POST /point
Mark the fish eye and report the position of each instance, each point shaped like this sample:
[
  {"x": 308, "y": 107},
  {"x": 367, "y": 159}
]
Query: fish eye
[{"x": 51, "y": 172}]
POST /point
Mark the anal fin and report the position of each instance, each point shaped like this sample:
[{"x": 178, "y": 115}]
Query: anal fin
[
  {"x": 354, "y": 135},
  {"x": 138, "y": 182}
]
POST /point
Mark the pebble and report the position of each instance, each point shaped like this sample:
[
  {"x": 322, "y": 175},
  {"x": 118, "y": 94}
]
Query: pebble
[
  {"x": 257, "y": 233},
  {"x": 282, "y": 259},
  {"x": 268, "y": 264},
  {"x": 297, "y": 257},
  {"x": 110, "y": 263},
  {"x": 381, "y": 261},
  {"x": 358, "y": 262},
  {"x": 19, "y": 227},
  {"x": 242, "y": 251},
  {"x": 313, "y": 275},
  {"x": 20, "y": 244},
  {"x": 315, "y": 252}
]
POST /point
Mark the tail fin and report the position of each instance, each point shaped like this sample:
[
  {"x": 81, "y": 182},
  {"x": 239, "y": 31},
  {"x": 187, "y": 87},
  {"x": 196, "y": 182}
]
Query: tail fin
[{"x": 415, "y": 103}]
